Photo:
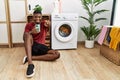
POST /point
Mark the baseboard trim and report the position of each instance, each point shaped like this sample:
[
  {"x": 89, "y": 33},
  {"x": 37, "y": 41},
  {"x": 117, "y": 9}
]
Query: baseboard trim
[
  {"x": 4, "y": 46},
  {"x": 84, "y": 42},
  {"x": 18, "y": 44},
  {"x": 81, "y": 42}
]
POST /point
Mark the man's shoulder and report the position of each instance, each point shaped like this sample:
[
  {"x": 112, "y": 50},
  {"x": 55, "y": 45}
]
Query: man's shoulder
[{"x": 30, "y": 24}]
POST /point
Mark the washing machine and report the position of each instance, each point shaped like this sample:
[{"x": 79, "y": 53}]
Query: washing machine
[{"x": 64, "y": 30}]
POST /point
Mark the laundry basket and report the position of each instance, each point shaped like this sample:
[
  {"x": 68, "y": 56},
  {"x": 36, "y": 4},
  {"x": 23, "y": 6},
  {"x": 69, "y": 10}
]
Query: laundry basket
[{"x": 110, "y": 54}]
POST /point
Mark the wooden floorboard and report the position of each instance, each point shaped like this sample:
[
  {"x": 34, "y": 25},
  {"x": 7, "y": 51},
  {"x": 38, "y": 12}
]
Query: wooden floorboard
[{"x": 78, "y": 64}]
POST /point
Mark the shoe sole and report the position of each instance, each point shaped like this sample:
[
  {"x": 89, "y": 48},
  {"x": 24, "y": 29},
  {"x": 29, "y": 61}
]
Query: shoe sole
[
  {"x": 28, "y": 76},
  {"x": 24, "y": 59}
]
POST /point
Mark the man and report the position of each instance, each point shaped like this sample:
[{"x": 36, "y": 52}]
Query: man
[{"x": 34, "y": 41}]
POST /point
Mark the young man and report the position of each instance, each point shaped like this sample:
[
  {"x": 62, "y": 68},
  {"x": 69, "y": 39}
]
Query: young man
[{"x": 35, "y": 43}]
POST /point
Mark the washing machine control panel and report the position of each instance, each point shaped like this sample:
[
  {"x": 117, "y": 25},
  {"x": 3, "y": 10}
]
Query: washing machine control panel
[{"x": 65, "y": 17}]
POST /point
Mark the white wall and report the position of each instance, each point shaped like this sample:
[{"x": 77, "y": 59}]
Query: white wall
[{"x": 74, "y": 6}]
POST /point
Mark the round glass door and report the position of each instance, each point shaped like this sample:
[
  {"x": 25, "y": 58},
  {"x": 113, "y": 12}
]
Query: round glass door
[{"x": 64, "y": 31}]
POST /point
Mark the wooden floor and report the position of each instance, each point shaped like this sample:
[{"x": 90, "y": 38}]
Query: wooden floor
[{"x": 79, "y": 64}]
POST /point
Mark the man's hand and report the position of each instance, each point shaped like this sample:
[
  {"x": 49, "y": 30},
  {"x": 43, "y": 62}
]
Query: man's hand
[
  {"x": 33, "y": 31},
  {"x": 47, "y": 23}
]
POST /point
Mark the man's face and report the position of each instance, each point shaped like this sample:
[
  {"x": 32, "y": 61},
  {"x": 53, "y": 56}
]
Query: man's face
[{"x": 37, "y": 17}]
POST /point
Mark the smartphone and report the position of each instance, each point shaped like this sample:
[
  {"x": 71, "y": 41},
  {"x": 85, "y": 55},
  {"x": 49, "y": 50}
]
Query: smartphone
[{"x": 37, "y": 26}]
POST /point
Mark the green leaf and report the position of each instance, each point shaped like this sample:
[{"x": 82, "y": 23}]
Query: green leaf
[
  {"x": 85, "y": 5},
  {"x": 85, "y": 18},
  {"x": 100, "y": 11},
  {"x": 98, "y": 19},
  {"x": 89, "y": 1},
  {"x": 96, "y": 1},
  {"x": 99, "y": 2}
]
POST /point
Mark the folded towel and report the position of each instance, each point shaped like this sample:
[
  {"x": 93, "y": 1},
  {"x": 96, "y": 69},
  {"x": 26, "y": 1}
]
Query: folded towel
[
  {"x": 102, "y": 35},
  {"x": 115, "y": 37}
]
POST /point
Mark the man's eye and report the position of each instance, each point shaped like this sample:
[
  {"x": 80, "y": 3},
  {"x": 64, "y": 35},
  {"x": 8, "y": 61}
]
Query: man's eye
[{"x": 35, "y": 16}]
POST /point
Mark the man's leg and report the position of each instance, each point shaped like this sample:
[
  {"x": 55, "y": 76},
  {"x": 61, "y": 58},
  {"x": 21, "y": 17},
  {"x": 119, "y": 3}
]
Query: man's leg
[
  {"x": 50, "y": 56},
  {"x": 28, "y": 41}
]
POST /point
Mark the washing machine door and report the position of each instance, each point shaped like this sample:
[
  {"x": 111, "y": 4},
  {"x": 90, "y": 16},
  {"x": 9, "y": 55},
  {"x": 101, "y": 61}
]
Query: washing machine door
[{"x": 64, "y": 31}]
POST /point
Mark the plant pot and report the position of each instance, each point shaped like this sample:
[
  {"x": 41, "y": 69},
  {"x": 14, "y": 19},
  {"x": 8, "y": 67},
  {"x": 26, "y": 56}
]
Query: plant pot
[{"x": 89, "y": 43}]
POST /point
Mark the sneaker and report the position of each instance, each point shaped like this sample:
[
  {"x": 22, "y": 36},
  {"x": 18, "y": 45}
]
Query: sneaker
[
  {"x": 25, "y": 59},
  {"x": 30, "y": 70}
]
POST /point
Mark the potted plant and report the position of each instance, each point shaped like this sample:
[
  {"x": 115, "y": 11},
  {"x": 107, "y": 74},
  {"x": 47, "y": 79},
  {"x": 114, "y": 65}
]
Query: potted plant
[{"x": 91, "y": 31}]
